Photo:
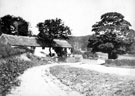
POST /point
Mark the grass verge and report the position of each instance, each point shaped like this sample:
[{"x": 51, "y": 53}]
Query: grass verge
[{"x": 92, "y": 83}]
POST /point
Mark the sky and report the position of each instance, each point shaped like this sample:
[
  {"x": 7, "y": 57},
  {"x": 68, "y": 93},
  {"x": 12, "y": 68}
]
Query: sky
[{"x": 79, "y": 15}]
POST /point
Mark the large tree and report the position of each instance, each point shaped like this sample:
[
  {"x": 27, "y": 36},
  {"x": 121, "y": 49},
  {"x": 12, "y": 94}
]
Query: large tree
[
  {"x": 112, "y": 35},
  {"x": 14, "y": 25},
  {"x": 53, "y": 29}
]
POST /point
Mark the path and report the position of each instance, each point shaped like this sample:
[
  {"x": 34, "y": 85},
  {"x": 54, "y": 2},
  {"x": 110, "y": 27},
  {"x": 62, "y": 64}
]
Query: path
[{"x": 37, "y": 82}]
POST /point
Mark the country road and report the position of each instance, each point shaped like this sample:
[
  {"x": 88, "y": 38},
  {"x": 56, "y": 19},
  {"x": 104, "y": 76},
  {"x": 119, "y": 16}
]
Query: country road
[{"x": 38, "y": 82}]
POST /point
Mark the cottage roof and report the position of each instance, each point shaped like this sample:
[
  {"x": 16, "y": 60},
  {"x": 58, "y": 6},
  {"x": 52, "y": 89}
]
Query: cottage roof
[
  {"x": 62, "y": 43},
  {"x": 19, "y": 40},
  {"x": 29, "y": 41}
]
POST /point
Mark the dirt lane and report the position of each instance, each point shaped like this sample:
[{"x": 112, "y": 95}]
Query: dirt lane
[{"x": 38, "y": 81}]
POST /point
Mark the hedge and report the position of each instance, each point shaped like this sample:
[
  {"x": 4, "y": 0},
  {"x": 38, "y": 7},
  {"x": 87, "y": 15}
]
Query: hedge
[{"x": 10, "y": 69}]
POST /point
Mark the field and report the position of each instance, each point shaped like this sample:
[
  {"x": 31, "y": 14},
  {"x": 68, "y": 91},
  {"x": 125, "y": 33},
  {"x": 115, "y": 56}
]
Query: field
[{"x": 92, "y": 83}]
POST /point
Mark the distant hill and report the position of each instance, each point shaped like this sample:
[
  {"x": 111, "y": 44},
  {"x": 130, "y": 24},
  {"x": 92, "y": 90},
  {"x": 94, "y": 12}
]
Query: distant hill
[{"x": 79, "y": 42}]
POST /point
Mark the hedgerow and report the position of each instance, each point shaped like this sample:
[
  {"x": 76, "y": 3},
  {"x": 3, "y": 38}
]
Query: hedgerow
[
  {"x": 10, "y": 69},
  {"x": 7, "y": 51}
]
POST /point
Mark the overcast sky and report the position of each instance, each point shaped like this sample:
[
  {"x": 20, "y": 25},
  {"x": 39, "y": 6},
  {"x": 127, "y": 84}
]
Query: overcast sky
[{"x": 79, "y": 15}]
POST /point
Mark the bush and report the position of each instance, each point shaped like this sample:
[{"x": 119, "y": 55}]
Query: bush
[
  {"x": 39, "y": 60},
  {"x": 10, "y": 69},
  {"x": 88, "y": 55},
  {"x": 123, "y": 62},
  {"x": 7, "y": 51}
]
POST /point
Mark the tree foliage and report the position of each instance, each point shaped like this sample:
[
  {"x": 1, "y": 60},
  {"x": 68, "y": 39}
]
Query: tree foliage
[
  {"x": 53, "y": 29},
  {"x": 112, "y": 35},
  {"x": 14, "y": 25}
]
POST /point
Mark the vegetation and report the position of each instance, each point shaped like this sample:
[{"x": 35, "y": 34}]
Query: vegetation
[
  {"x": 92, "y": 83},
  {"x": 53, "y": 29},
  {"x": 14, "y": 25},
  {"x": 8, "y": 51},
  {"x": 112, "y": 35},
  {"x": 120, "y": 63},
  {"x": 10, "y": 69},
  {"x": 89, "y": 55},
  {"x": 11, "y": 66},
  {"x": 132, "y": 49}
]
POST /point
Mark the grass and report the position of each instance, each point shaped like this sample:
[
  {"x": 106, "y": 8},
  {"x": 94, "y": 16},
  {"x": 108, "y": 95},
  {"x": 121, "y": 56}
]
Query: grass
[
  {"x": 92, "y": 83},
  {"x": 126, "y": 63}
]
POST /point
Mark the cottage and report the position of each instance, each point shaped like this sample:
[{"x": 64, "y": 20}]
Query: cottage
[{"x": 31, "y": 42}]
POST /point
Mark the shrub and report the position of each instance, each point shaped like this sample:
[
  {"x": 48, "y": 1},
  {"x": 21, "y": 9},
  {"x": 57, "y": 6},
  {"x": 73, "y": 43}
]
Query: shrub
[
  {"x": 88, "y": 54},
  {"x": 10, "y": 69},
  {"x": 39, "y": 60},
  {"x": 7, "y": 51}
]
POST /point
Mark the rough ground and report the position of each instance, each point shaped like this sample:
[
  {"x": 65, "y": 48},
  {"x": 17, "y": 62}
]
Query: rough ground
[
  {"x": 37, "y": 81},
  {"x": 93, "y": 83}
]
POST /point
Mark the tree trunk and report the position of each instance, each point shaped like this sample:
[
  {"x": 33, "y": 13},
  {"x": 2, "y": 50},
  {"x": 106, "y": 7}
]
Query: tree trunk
[
  {"x": 50, "y": 53},
  {"x": 65, "y": 52},
  {"x": 112, "y": 55}
]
